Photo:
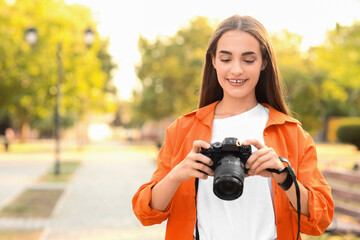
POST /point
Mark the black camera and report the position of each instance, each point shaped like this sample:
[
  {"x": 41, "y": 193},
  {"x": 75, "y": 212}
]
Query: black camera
[{"x": 229, "y": 158}]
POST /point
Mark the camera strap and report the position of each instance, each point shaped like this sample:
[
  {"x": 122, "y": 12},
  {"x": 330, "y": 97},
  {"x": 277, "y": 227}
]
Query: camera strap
[
  {"x": 197, "y": 235},
  {"x": 291, "y": 172},
  {"x": 287, "y": 169}
]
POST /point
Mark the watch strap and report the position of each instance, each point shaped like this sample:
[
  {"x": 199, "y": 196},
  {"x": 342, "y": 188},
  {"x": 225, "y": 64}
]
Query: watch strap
[{"x": 287, "y": 183}]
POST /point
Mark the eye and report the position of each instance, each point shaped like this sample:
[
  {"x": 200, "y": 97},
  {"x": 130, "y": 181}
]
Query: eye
[
  {"x": 249, "y": 61},
  {"x": 225, "y": 60}
]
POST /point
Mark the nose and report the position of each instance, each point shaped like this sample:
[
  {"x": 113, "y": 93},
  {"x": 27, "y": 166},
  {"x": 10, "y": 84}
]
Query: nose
[{"x": 237, "y": 68}]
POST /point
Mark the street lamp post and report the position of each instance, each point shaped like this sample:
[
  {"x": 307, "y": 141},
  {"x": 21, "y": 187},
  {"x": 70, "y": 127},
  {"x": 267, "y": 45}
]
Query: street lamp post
[
  {"x": 31, "y": 38},
  {"x": 89, "y": 37},
  {"x": 57, "y": 105}
]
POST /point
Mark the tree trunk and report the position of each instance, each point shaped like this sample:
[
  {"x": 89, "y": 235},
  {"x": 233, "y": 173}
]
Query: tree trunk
[
  {"x": 324, "y": 132},
  {"x": 25, "y": 129}
]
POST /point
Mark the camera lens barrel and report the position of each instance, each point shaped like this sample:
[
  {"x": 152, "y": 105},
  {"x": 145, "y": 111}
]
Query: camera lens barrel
[{"x": 229, "y": 178}]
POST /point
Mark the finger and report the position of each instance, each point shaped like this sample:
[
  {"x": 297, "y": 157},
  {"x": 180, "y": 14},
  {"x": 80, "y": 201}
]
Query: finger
[
  {"x": 267, "y": 161},
  {"x": 198, "y": 157},
  {"x": 204, "y": 169},
  {"x": 262, "y": 167},
  {"x": 250, "y": 161},
  {"x": 265, "y": 152},
  {"x": 199, "y": 174},
  {"x": 254, "y": 142},
  {"x": 198, "y": 144},
  {"x": 259, "y": 164},
  {"x": 203, "y": 159}
]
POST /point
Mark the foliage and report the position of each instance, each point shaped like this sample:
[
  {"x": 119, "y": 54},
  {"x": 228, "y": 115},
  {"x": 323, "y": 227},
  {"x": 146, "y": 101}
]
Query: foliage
[
  {"x": 339, "y": 57},
  {"x": 321, "y": 82},
  {"x": 28, "y": 75},
  {"x": 324, "y": 81},
  {"x": 4, "y": 121},
  {"x": 336, "y": 122},
  {"x": 349, "y": 134},
  {"x": 303, "y": 81},
  {"x": 170, "y": 71}
]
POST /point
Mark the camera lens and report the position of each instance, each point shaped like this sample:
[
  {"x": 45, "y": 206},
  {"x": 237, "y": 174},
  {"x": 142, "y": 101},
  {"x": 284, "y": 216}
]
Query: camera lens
[
  {"x": 229, "y": 178},
  {"x": 228, "y": 188}
]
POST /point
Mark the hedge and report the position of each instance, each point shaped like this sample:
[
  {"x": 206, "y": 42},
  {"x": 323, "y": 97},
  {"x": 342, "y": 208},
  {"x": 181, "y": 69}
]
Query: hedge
[{"x": 349, "y": 134}]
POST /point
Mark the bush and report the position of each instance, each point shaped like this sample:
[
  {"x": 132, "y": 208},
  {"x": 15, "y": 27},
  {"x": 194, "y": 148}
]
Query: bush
[{"x": 349, "y": 134}]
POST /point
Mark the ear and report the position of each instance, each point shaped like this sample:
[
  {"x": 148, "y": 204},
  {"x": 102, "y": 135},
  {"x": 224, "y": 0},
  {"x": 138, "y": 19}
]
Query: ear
[
  {"x": 213, "y": 60},
  {"x": 264, "y": 64}
]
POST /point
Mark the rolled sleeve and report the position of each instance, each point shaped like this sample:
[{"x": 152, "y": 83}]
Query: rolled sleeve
[
  {"x": 142, "y": 198},
  {"x": 321, "y": 209},
  {"x": 143, "y": 211},
  {"x": 320, "y": 203}
]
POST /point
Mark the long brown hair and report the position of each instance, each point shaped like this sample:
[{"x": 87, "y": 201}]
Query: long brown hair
[{"x": 269, "y": 88}]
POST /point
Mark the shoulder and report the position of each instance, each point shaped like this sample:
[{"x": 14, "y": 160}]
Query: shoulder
[
  {"x": 204, "y": 115},
  {"x": 182, "y": 123},
  {"x": 199, "y": 117},
  {"x": 290, "y": 127},
  {"x": 278, "y": 118},
  {"x": 203, "y": 111},
  {"x": 285, "y": 123}
]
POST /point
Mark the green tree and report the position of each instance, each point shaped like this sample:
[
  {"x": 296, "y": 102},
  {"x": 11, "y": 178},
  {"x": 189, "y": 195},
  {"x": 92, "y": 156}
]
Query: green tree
[
  {"x": 301, "y": 78},
  {"x": 339, "y": 58},
  {"x": 28, "y": 75},
  {"x": 324, "y": 81},
  {"x": 170, "y": 72}
]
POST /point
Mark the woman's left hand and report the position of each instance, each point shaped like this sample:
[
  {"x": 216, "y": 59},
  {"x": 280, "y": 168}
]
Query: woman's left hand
[{"x": 264, "y": 157}]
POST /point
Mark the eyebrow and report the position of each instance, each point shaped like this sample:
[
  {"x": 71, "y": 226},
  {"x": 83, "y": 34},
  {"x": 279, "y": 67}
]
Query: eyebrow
[{"x": 243, "y": 54}]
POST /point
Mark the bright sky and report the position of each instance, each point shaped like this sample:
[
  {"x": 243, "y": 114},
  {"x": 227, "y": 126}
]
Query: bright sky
[{"x": 124, "y": 21}]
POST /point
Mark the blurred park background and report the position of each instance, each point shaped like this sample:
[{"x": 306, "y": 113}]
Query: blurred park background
[{"x": 85, "y": 78}]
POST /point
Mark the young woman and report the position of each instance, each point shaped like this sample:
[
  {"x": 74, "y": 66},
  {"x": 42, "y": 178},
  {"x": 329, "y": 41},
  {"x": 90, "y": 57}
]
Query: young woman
[{"x": 241, "y": 96}]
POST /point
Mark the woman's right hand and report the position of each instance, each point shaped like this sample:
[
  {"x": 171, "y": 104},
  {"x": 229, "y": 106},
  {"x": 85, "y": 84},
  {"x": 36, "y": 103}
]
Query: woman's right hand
[{"x": 194, "y": 165}]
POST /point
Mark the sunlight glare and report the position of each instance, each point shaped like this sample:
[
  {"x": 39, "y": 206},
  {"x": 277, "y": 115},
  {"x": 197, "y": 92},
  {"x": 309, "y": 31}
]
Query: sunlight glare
[{"x": 99, "y": 132}]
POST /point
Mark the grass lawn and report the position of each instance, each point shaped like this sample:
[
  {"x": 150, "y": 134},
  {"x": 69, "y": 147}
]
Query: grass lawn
[
  {"x": 342, "y": 156},
  {"x": 19, "y": 235},
  {"x": 40, "y": 203},
  {"x": 67, "y": 170},
  {"x": 326, "y": 236},
  {"x": 37, "y": 203},
  {"x": 336, "y": 156},
  {"x": 33, "y": 203}
]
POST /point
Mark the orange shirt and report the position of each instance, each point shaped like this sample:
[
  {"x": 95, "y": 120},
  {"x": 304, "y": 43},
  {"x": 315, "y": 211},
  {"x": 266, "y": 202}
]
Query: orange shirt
[{"x": 283, "y": 133}]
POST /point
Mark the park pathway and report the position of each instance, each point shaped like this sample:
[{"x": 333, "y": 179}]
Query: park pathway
[
  {"x": 18, "y": 170},
  {"x": 96, "y": 204}
]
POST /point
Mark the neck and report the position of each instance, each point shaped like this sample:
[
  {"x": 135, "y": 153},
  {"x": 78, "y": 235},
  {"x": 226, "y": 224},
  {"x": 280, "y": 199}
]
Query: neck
[{"x": 231, "y": 107}]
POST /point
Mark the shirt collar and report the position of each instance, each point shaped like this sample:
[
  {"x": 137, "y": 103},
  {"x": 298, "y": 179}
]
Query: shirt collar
[
  {"x": 206, "y": 115},
  {"x": 277, "y": 118}
]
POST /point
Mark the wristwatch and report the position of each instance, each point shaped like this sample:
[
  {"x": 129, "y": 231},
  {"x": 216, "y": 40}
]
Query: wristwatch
[{"x": 287, "y": 183}]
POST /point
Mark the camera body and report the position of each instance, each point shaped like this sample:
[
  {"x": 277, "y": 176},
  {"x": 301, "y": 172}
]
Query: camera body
[{"x": 229, "y": 159}]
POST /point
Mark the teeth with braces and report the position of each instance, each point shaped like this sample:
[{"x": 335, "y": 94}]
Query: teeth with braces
[{"x": 237, "y": 81}]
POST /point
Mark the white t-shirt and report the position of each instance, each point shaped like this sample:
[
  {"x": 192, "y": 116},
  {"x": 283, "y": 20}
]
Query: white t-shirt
[{"x": 251, "y": 216}]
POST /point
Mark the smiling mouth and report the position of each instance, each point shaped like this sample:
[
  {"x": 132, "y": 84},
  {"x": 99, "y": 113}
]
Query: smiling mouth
[{"x": 236, "y": 81}]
